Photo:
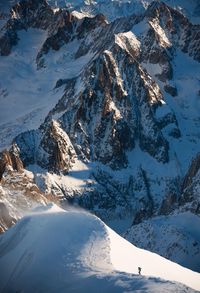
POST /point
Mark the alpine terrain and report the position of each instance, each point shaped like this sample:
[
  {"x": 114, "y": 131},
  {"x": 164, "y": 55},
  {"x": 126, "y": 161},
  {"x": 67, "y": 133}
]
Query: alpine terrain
[{"x": 99, "y": 111}]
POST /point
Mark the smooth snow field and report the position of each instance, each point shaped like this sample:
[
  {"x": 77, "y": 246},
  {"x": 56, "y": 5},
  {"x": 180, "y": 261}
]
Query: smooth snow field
[{"x": 53, "y": 250}]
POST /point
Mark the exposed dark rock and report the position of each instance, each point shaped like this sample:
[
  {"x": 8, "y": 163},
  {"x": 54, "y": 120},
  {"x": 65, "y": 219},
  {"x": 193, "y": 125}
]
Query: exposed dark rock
[
  {"x": 6, "y": 220},
  {"x": 168, "y": 204},
  {"x": 192, "y": 172},
  {"x": 33, "y": 13},
  {"x": 56, "y": 143},
  {"x": 147, "y": 205},
  {"x": 171, "y": 90},
  {"x": 169, "y": 118},
  {"x": 175, "y": 132},
  {"x": 109, "y": 198},
  {"x": 49, "y": 148},
  {"x": 191, "y": 186},
  {"x": 110, "y": 106},
  {"x": 10, "y": 160},
  {"x": 60, "y": 82},
  {"x": 7, "y": 41},
  {"x": 179, "y": 30}
]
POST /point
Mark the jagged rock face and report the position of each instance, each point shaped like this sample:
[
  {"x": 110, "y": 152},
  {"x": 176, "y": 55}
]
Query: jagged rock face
[
  {"x": 19, "y": 194},
  {"x": 177, "y": 28},
  {"x": 184, "y": 194},
  {"x": 113, "y": 94},
  {"x": 33, "y": 13},
  {"x": 57, "y": 145},
  {"x": 67, "y": 28},
  {"x": 98, "y": 125},
  {"x": 106, "y": 196},
  {"x": 110, "y": 115},
  {"x": 6, "y": 220},
  {"x": 10, "y": 160},
  {"x": 190, "y": 187},
  {"x": 24, "y": 14},
  {"x": 50, "y": 148},
  {"x": 110, "y": 106},
  {"x": 120, "y": 111},
  {"x": 36, "y": 14}
]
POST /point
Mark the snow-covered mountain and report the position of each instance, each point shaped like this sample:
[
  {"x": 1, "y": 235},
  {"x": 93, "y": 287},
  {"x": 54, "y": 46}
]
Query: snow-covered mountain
[
  {"x": 120, "y": 8},
  {"x": 104, "y": 114},
  {"x": 56, "y": 250}
]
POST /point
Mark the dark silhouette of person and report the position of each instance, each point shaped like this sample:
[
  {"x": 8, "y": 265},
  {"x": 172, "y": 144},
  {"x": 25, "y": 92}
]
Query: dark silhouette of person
[{"x": 139, "y": 270}]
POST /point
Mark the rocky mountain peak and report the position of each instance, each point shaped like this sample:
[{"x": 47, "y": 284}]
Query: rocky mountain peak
[
  {"x": 9, "y": 161},
  {"x": 106, "y": 113}
]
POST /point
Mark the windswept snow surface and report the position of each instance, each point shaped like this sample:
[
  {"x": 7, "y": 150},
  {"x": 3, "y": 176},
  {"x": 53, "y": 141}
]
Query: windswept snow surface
[{"x": 53, "y": 250}]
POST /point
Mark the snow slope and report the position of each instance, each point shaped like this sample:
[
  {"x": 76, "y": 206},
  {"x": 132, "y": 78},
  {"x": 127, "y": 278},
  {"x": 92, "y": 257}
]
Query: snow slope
[
  {"x": 26, "y": 93},
  {"x": 53, "y": 250},
  {"x": 175, "y": 236}
]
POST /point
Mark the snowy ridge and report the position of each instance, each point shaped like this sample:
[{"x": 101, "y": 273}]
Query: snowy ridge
[
  {"x": 103, "y": 114},
  {"x": 53, "y": 249},
  {"x": 115, "y": 8},
  {"x": 121, "y": 8},
  {"x": 174, "y": 236}
]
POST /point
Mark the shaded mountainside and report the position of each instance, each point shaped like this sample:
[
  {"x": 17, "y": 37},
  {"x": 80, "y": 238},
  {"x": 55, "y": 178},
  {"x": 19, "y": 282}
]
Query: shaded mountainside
[
  {"x": 175, "y": 235},
  {"x": 103, "y": 111}
]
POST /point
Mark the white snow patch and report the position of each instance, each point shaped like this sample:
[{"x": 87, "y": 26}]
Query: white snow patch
[{"x": 140, "y": 28}]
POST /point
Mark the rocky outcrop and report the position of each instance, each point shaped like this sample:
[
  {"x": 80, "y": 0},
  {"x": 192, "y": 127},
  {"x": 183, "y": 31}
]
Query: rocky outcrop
[
  {"x": 34, "y": 14},
  {"x": 111, "y": 199},
  {"x": 56, "y": 143},
  {"x": 6, "y": 220},
  {"x": 115, "y": 107},
  {"x": 9, "y": 160},
  {"x": 49, "y": 147},
  {"x": 19, "y": 194},
  {"x": 105, "y": 119},
  {"x": 192, "y": 172},
  {"x": 100, "y": 112},
  {"x": 171, "y": 90},
  {"x": 68, "y": 30},
  {"x": 174, "y": 28},
  {"x": 191, "y": 187}
]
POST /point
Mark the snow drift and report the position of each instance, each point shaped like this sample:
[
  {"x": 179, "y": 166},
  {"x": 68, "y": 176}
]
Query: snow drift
[{"x": 55, "y": 250}]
